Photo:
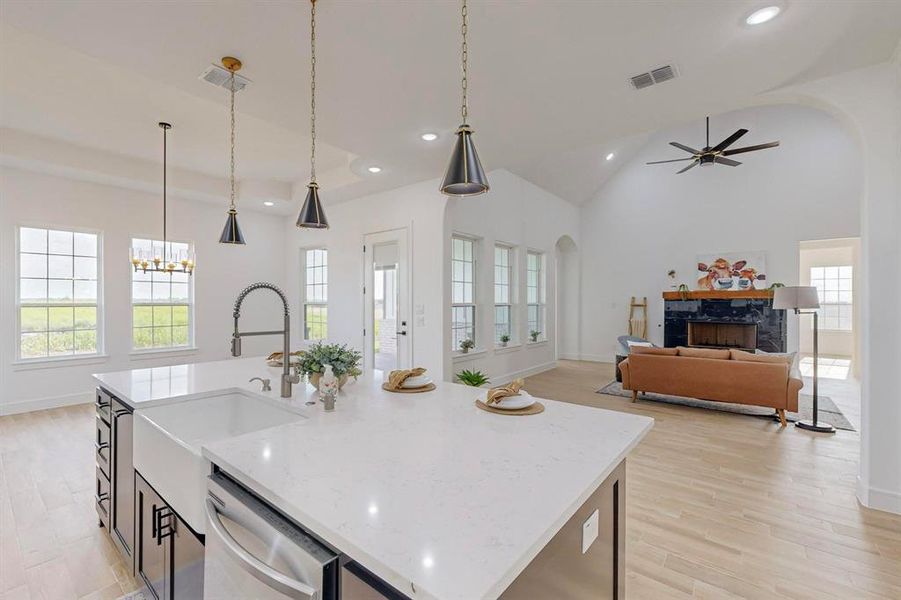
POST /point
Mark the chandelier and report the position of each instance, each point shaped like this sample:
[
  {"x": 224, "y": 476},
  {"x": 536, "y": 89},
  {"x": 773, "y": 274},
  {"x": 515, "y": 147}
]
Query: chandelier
[{"x": 165, "y": 261}]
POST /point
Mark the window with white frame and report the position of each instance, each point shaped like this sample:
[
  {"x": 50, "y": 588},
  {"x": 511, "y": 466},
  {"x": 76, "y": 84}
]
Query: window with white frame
[
  {"x": 315, "y": 294},
  {"x": 834, "y": 287},
  {"x": 58, "y": 293},
  {"x": 463, "y": 307},
  {"x": 162, "y": 304},
  {"x": 535, "y": 293},
  {"x": 503, "y": 292}
]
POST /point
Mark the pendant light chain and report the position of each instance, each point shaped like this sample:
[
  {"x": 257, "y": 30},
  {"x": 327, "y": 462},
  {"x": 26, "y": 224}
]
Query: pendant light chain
[
  {"x": 231, "y": 111},
  {"x": 464, "y": 83},
  {"x": 313, "y": 91},
  {"x": 165, "y": 137}
]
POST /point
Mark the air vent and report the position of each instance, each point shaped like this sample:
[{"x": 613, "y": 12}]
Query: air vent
[
  {"x": 220, "y": 77},
  {"x": 659, "y": 75}
]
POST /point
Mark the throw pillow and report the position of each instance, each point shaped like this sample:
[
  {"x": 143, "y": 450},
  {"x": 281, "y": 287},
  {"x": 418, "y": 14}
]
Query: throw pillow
[
  {"x": 703, "y": 353},
  {"x": 765, "y": 357},
  {"x": 658, "y": 351}
]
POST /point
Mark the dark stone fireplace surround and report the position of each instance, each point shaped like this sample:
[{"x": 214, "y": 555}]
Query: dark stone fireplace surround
[{"x": 771, "y": 323}]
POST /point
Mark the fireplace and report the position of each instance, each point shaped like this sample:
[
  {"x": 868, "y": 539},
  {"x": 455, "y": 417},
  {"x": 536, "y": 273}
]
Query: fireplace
[
  {"x": 706, "y": 334},
  {"x": 740, "y": 319}
]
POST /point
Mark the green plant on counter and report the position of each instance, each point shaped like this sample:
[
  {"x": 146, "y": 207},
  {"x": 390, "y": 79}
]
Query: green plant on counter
[
  {"x": 473, "y": 378},
  {"x": 534, "y": 335},
  {"x": 344, "y": 360},
  {"x": 505, "y": 338}
]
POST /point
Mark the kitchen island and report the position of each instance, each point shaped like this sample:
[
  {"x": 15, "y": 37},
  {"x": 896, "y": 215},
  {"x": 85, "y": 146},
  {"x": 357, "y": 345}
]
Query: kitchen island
[{"x": 430, "y": 494}]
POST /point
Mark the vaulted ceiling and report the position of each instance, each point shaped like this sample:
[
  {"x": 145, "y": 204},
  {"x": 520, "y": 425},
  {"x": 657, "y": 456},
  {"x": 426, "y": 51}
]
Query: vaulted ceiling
[{"x": 549, "y": 81}]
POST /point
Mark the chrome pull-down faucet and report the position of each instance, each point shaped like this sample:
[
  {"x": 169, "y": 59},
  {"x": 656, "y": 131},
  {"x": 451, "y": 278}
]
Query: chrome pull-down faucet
[{"x": 287, "y": 378}]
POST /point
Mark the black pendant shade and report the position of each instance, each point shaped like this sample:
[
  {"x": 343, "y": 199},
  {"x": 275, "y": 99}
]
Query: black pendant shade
[
  {"x": 231, "y": 233},
  {"x": 464, "y": 176},
  {"x": 311, "y": 215}
]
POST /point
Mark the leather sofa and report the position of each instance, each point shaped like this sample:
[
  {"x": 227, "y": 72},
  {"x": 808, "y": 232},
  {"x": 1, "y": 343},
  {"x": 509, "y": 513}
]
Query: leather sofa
[{"x": 713, "y": 374}]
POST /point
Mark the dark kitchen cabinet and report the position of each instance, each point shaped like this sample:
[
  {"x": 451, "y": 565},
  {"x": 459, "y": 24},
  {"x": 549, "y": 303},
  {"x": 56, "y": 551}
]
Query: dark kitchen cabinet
[
  {"x": 122, "y": 522},
  {"x": 168, "y": 554}
]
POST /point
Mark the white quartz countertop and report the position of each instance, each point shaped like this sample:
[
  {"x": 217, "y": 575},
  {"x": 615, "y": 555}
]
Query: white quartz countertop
[{"x": 435, "y": 496}]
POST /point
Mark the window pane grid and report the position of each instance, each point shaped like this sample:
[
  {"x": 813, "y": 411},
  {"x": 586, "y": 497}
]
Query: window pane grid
[
  {"x": 162, "y": 303},
  {"x": 315, "y": 294},
  {"x": 57, "y": 293},
  {"x": 503, "y": 292},
  {"x": 463, "y": 308},
  {"x": 835, "y": 291},
  {"x": 535, "y": 294}
]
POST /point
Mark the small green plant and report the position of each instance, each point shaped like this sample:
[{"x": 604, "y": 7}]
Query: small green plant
[
  {"x": 467, "y": 345},
  {"x": 505, "y": 339},
  {"x": 344, "y": 360},
  {"x": 534, "y": 335},
  {"x": 473, "y": 378}
]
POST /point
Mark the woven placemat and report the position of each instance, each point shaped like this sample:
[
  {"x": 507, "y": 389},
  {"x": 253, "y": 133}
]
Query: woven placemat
[
  {"x": 536, "y": 408},
  {"x": 419, "y": 390}
]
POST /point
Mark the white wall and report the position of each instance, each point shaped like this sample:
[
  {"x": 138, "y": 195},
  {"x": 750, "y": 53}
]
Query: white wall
[
  {"x": 647, "y": 220},
  {"x": 523, "y": 215},
  {"x": 827, "y": 253},
  {"x": 28, "y": 197},
  {"x": 420, "y": 209}
]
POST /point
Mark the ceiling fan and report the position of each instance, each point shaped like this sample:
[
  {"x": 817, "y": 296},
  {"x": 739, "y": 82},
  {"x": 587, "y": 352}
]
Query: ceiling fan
[{"x": 716, "y": 154}]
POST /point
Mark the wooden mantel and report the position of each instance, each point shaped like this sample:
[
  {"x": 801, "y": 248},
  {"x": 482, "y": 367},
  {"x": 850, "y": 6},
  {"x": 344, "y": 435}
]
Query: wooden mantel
[{"x": 719, "y": 295}]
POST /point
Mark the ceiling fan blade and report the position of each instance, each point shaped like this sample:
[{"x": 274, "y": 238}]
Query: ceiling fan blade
[
  {"x": 751, "y": 148},
  {"x": 684, "y": 147},
  {"x": 688, "y": 167},
  {"x": 659, "y": 162},
  {"x": 729, "y": 140},
  {"x": 726, "y": 161}
]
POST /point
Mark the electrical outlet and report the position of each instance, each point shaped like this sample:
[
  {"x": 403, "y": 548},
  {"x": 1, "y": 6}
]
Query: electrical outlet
[{"x": 590, "y": 531}]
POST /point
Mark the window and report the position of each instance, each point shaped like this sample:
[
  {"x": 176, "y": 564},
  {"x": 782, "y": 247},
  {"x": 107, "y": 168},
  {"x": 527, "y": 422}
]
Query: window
[
  {"x": 58, "y": 306},
  {"x": 315, "y": 294},
  {"x": 503, "y": 292},
  {"x": 463, "y": 308},
  {"x": 162, "y": 304},
  {"x": 834, "y": 286},
  {"x": 535, "y": 293}
]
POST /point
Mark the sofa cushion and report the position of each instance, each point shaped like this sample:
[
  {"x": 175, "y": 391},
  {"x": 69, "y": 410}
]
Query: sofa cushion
[
  {"x": 703, "y": 353},
  {"x": 765, "y": 357},
  {"x": 658, "y": 351}
]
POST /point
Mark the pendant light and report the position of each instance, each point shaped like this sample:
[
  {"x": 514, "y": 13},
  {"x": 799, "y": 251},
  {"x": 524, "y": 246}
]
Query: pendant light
[
  {"x": 166, "y": 261},
  {"x": 464, "y": 176},
  {"x": 231, "y": 233},
  {"x": 311, "y": 215}
]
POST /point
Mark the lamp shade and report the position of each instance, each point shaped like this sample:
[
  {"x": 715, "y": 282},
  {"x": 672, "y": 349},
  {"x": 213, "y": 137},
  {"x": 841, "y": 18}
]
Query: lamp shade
[
  {"x": 464, "y": 176},
  {"x": 311, "y": 215},
  {"x": 793, "y": 297},
  {"x": 231, "y": 233}
]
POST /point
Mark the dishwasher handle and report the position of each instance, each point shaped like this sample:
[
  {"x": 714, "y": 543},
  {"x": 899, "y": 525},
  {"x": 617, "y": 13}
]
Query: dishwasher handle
[{"x": 263, "y": 572}]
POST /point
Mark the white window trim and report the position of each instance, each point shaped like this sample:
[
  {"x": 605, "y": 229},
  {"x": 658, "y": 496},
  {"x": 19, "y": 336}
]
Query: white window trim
[
  {"x": 512, "y": 295},
  {"x": 64, "y": 359},
  {"x": 475, "y": 292},
  {"x": 138, "y": 353},
  {"x": 541, "y": 296},
  {"x": 824, "y": 304},
  {"x": 303, "y": 294}
]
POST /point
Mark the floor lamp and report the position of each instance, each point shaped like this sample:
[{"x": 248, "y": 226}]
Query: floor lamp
[{"x": 796, "y": 298}]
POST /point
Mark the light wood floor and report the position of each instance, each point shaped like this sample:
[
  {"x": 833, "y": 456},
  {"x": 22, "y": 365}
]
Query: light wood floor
[{"x": 719, "y": 506}]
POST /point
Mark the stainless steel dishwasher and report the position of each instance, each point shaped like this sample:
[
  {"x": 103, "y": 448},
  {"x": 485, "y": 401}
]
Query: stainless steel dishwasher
[{"x": 253, "y": 551}]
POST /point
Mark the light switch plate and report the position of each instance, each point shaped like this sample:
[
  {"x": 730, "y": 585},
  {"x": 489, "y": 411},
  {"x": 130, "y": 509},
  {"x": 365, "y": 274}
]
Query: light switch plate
[{"x": 590, "y": 531}]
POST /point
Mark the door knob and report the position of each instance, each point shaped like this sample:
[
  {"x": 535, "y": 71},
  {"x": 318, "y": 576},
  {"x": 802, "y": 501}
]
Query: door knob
[{"x": 402, "y": 332}]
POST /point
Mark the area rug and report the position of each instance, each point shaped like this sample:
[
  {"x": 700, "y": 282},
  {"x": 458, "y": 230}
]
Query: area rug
[{"x": 829, "y": 412}]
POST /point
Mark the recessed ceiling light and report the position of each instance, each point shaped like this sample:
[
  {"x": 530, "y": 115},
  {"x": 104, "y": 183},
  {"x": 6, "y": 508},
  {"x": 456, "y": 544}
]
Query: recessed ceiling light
[
  {"x": 429, "y": 137},
  {"x": 610, "y": 156},
  {"x": 268, "y": 203},
  {"x": 763, "y": 15},
  {"x": 374, "y": 169}
]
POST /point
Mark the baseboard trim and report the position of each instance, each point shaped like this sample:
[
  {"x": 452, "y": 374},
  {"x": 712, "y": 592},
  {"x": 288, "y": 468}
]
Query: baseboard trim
[
  {"x": 601, "y": 358},
  {"x": 507, "y": 378},
  {"x": 878, "y": 499},
  {"x": 25, "y": 406}
]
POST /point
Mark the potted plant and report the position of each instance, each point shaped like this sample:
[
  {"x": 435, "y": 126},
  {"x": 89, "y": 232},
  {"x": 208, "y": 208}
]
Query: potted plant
[
  {"x": 345, "y": 362},
  {"x": 505, "y": 339},
  {"x": 466, "y": 346},
  {"x": 473, "y": 378},
  {"x": 533, "y": 335}
]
